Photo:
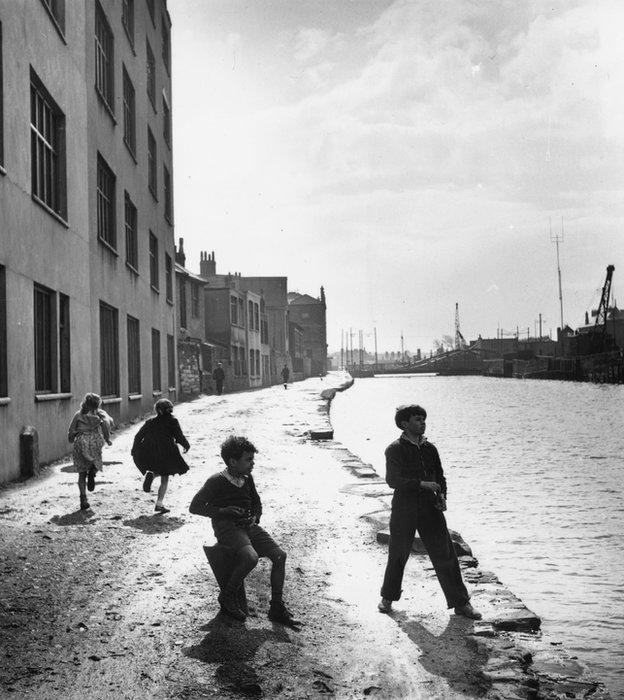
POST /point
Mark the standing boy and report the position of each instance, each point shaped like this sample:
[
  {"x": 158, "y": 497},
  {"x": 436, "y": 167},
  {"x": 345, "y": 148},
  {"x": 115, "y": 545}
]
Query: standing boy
[
  {"x": 414, "y": 471},
  {"x": 285, "y": 376},
  {"x": 230, "y": 499},
  {"x": 219, "y": 375}
]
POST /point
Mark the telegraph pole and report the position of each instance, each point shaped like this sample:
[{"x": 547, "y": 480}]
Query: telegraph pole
[{"x": 556, "y": 239}]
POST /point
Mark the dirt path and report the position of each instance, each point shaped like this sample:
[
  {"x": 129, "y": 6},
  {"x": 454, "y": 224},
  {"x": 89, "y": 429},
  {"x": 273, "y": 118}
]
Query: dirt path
[{"x": 120, "y": 603}]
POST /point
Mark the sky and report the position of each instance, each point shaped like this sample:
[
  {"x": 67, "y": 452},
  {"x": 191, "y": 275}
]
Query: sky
[{"x": 408, "y": 156}]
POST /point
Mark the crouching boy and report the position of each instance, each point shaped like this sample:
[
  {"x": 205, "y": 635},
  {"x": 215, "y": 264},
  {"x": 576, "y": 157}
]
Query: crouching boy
[{"x": 230, "y": 499}]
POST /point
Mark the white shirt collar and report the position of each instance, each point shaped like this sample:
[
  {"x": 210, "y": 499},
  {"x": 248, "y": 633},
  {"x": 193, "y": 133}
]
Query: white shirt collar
[
  {"x": 238, "y": 481},
  {"x": 422, "y": 440}
]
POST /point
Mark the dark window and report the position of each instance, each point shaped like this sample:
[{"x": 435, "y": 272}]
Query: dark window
[
  {"x": 45, "y": 340},
  {"x": 241, "y": 313},
  {"x": 151, "y": 74},
  {"x": 156, "y": 360},
  {"x": 106, "y": 203},
  {"x": 166, "y": 45},
  {"x": 64, "y": 344},
  {"x": 153, "y": 253},
  {"x": 150, "y": 7},
  {"x": 152, "y": 175},
  {"x": 134, "y": 356},
  {"x": 56, "y": 8},
  {"x": 129, "y": 112},
  {"x": 168, "y": 197},
  {"x": 132, "y": 242},
  {"x": 256, "y": 317},
  {"x": 104, "y": 62},
  {"x": 264, "y": 332},
  {"x": 252, "y": 363},
  {"x": 1, "y": 108},
  {"x": 109, "y": 350},
  {"x": 234, "y": 311},
  {"x": 168, "y": 278},
  {"x": 127, "y": 18},
  {"x": 243, "y": 361},
  {"x": 47, "y": 130},
  {"x": 166, "y": 123},
  {"x": 4, "y": 389},
  {"x": 258, "y": 363},
  {"x": 171, "y": 374},
  {"x": 195, "y": 300},
  {"x": 182, "y": 302}
]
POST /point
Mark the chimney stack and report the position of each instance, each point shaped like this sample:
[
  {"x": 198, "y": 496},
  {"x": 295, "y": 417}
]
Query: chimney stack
[
  {"x": 180, "y": 257},
  {"x": 207, "y": 264}
]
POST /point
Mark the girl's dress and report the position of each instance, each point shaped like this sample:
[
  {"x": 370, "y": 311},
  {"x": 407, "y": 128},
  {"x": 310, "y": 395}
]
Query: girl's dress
[
  {"x": 88, "y": 432},
  {"x": 155, "y": 449}
]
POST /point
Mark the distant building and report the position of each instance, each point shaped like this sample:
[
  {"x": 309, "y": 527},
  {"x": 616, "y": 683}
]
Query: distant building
[
  {"x": 86, "y": 216},
  {"x": 310, "y": 315}
]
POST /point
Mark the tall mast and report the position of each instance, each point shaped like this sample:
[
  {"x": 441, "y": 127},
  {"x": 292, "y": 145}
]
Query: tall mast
[{"x": 556, "y": 239}]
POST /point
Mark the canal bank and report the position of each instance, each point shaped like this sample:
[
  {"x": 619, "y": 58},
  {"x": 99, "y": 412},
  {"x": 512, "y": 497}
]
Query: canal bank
[{"x": 119, "y": 602}]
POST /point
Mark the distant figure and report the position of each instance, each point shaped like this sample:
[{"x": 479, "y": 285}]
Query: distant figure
[
  {"x": 230, "y": 499},
  {"x": 219, "y": 375},
  {"x": 285, "y": 376},
  {"x": 88, "y": 431},
  {"x": 156, "y": 453},
  {"x": 414, "y": 471}
]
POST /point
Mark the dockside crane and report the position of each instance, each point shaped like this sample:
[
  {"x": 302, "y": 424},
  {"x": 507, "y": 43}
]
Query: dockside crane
[
  {"x": 600, "y": 326},
  {"x": 459, "y": 338}
]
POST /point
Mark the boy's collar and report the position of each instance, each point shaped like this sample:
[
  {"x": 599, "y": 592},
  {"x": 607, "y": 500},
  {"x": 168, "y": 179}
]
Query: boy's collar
[
  {"x": 421, "y": 440},
  {"x": 236, "y": 480}
]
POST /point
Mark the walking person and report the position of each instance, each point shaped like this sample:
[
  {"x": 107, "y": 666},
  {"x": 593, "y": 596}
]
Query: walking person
[
  {"x": 414, "y": 471},
  {"x": 219, "y": 375},
  {"x": 88, "y": 431},
  {"x": 285, "y": 376},
  {"x": 232, "y": 502},
  {"x": 155, "y": 450}
]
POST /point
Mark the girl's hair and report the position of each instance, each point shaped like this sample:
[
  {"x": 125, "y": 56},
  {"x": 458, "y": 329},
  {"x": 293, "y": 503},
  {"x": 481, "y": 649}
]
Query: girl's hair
[
  {"x": 91, "y": 402},
  {"x": 162, "y": 405}
]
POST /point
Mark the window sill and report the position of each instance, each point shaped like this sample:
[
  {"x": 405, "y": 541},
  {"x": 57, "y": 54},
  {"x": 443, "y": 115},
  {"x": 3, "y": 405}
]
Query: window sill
[
  {"x": 170, "y": 302},
  {"x": 130, "y": 151},
  {"x": 135, "y": 397},
  {"x": 53, "y": 397},
  {"x": 2, "y": 171},
  {"x": 172, "y": 389},
  {"x": 5, "y": 400},
  {"x": 110, "y": 399},
  {"x": 107, "y": 245},
  {"x": 130, "y": 38},
  {"x": 132, "y": 268},
  {"x": 50, "y": 211},
  {"x": 106, "y": 106},
  {"x": 157, "y": 393},
  {"x": 155, "y": 289}
]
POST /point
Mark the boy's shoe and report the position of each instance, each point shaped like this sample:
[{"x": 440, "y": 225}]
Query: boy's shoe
[
  {"x": 385, "y": 606},
  {"x": 468, "y": 611},
  {"x": 84, "y": 504},
  {"x": 147, "y": 482},
  {"x": 161, "y": 509},
  {"x": 278, "y": 612},
  {"x": 230, "y": 605},
  {"x": 91, "y": 479}
]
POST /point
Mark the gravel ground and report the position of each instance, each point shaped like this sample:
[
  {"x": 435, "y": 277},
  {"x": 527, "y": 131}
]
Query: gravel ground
[{"x": 118, "y": 602}]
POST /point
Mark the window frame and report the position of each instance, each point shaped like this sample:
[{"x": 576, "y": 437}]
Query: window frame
[
  {"x": 156, "y": 361},
  {"x": 133, "y": 347},
  {"x": 150, "y": 66},
  {"x": 45, "y": 339},
  {"x": 166, "y": 122},
  {"x": 109, "y": 383},
  {"x": 1, "y": 107},
  {"x": 168, "y": 279},
  {"x": 166, "y": 44},
  {"x": 195, "y": 300},
  {"x": 129, "y": 112},
  {"x": 4, "y": 349},
  {"x": 183, "y": 303},
  {"x": 152, "y": 164},
  {"x": 56, "y": 11},
  {"x": 168, "y": 195},
  {"x": 153, "y": 256},
  {"x": 132, "y": 234},
  {"x": 106, "y": 204},
  {"x": 171, "y": 373},
  {"x": 127, "y": 20},
  {"x": 104, "y": 59}
]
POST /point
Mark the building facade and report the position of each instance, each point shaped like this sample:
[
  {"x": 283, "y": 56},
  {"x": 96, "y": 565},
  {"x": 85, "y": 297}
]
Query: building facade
[
  {"x": 86, "y": 215},
  {"x": 310, "y": 314}
]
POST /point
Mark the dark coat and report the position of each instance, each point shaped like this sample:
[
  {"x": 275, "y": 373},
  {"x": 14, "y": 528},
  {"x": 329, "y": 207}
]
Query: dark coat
[
  {"x": 218, "y": 374},
  {"x": 155, "y": 449},
  {"x": 407, "y": 465}
]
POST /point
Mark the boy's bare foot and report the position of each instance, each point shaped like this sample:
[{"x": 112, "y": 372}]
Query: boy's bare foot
[
  {"x": 278, "y": 612},
  {"x": 84, "y": 504},
  {"x": 229, "y": 605}
]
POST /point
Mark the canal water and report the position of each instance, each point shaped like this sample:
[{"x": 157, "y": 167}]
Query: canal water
[{"x": 536, "y": 483}]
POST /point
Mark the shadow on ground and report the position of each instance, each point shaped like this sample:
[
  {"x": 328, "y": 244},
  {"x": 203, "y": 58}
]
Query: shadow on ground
[
  {"x": 447, "y": 655},
  {"x": 233, "y": 645},
  {"x": 78, "y": 517},
  {"x": 155, "y": 524}
]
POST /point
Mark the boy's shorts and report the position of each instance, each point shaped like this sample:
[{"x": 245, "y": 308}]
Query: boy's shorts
[{"x": 229, "y": 535}]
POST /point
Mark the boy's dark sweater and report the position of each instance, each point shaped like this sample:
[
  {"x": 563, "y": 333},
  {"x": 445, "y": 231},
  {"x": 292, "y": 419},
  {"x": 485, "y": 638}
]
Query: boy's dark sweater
[{"x": 218, "y": 493}]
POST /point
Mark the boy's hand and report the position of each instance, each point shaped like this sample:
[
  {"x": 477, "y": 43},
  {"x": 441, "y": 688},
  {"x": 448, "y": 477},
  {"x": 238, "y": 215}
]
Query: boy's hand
[
  {"x": 432, "y": 486},
  {"x": 232, "y": 510}
]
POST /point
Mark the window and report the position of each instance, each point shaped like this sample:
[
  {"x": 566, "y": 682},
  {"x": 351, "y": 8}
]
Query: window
[
  {"x": 156, "y": 360},
  {"x": 64, "y": 344},
  {"x": 4, "y": 389},
  {"x": 151, "y": 74},
  {"x": 182, "y": 302},
  {"x": 168, "y": 278},
  {"x": 109, "y": 351},
  {"x": 134, "y": 356},
  {"x": 195, "y": 300},
  {"x": 56, "y": 9},
  {"x": 171, "y": 374},
  {"x": 234, "y": 311},
  {"x": 166, "y": 45},
  {"x": 166, "y": 123},
  {"x": 152, "y": 176},
  {"x": 153, "y": 253},
  {"x": 45, "y": 340},
  {"x": 1, "y": 108},
  {"x": 264, "y": 331},
  {"x": 150, "y": 7},
  {"x": 257, "y": 363},
  {"x": 252, "y": 363},
  {"x": 168, "y": 198},
  {"x": 132, "y": 242},
  {"x": 235, "y": 361},
  {"x": 243, "y": 361},
  {"x": 129, "y": 113},
  {"x": 241, "y": 313},
  {"x": 106, "y": 203},
  {"x": 104, "y": 62},
  {"x": 47, "y": 131},
  {"x": 250, "y": 316},
  {"x": 127, "y": 19},
  {"x": 256, "y": 317}
]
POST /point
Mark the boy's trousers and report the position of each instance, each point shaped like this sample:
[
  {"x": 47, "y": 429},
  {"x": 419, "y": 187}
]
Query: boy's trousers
[{"x": 419, "y": 513}]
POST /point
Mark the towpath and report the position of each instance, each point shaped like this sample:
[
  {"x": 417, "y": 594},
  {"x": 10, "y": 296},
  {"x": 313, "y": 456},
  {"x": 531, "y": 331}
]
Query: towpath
[{"x": 117, "y": 602}]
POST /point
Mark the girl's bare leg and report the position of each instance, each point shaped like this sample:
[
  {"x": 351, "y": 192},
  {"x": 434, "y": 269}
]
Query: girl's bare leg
[{"x": 162, "y": 489}]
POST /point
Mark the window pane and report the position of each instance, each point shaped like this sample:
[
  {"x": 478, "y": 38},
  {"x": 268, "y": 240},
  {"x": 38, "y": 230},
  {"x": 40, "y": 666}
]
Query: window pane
[
  {"x": 156, "y": 360},
  {"x": 134, "y": 356}
]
